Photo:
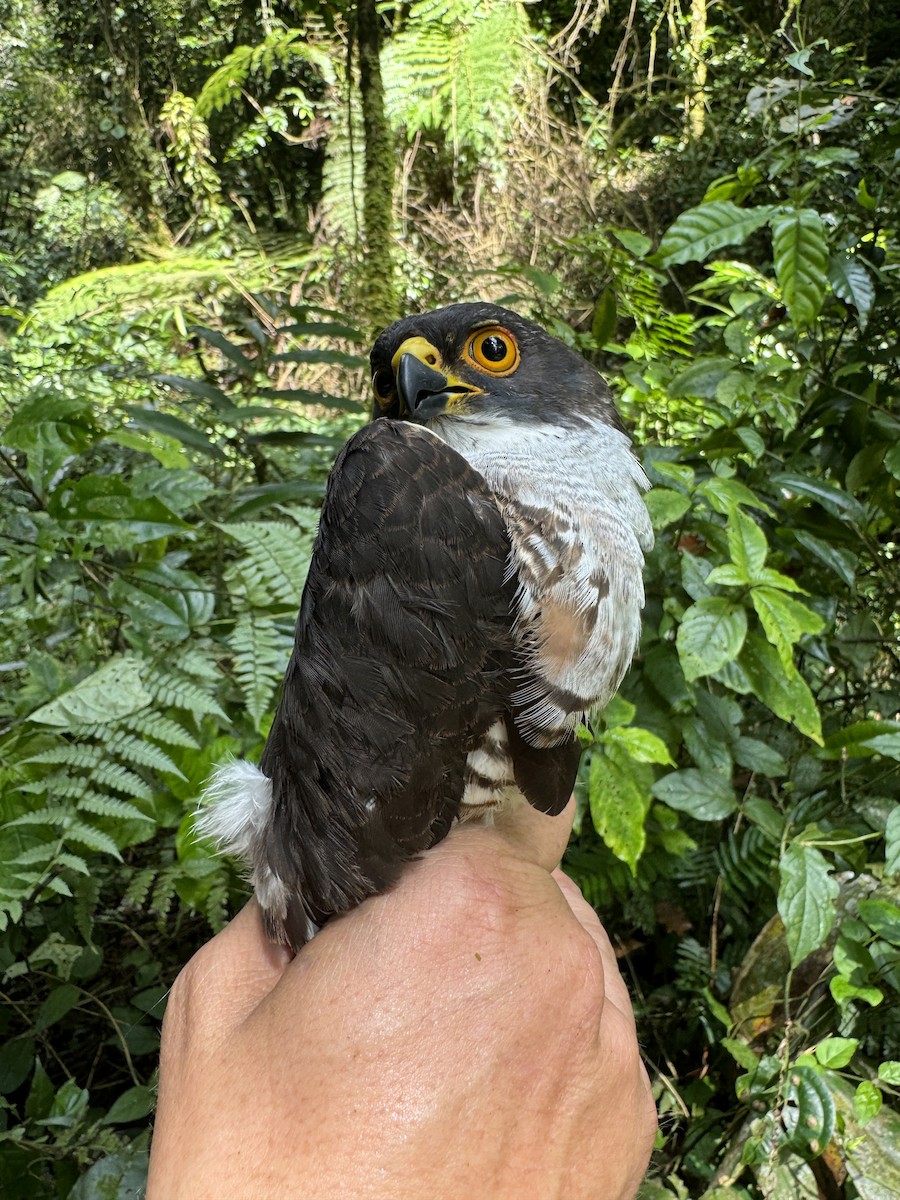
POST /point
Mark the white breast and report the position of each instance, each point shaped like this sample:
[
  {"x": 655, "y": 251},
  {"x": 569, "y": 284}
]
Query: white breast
[{"x": 572, "y": 502}]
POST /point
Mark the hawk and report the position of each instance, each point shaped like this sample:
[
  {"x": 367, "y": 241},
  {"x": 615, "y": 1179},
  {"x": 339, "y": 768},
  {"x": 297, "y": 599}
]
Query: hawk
[{"x": 474, "y": 591}]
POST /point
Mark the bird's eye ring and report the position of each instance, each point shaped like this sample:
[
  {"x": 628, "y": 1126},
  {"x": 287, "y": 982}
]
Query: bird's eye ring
[
  {"x": 383, "y": 386},
  {"x": 494, "y": 350}
]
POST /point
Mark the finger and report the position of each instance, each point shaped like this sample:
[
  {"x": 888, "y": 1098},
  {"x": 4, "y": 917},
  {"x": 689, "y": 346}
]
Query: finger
[
  {"x": 533, "y": 835},
  {"x": 614, "y": 985},
  {"x": 229, "y": 976}
]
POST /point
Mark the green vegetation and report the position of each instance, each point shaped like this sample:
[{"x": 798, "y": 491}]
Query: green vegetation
[{"x": 199, "y": 229}]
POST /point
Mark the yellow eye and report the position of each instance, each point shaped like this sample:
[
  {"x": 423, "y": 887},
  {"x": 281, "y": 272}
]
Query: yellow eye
[
  {"x": 494, "y": 350},
  {"x": 383, "y": 386}
]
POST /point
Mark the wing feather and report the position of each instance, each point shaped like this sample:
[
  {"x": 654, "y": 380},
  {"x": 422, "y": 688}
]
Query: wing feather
[{"x": 400, "y": 663}]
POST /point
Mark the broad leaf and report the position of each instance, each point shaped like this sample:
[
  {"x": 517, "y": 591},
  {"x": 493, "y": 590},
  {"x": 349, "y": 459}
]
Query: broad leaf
[
  {"x": 801, "y": 259},
  {"x": 784, "y": 619},
  {"x": 113, "y": 691},
  {"x": 705, "y": 795},
  {"x": 779, "y": 687},
  {"x": 618, "y": 804},
  {"x": 806, "y": 898},
  {"x": 699, "y": 231},
  {"x": 747, "y": 544},
  {"x": 711, "y": 634},
  {"x": 852, "y": 283}
]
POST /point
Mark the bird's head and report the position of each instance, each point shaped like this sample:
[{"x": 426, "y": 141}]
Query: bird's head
[{"x": 484, "y": 364}]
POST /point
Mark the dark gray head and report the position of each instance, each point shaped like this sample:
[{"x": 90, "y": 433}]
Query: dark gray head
[{"x": 481, "y": 361}]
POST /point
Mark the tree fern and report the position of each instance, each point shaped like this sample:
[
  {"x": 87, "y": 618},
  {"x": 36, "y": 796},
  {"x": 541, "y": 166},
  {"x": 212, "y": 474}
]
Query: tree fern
[
  {"x": 279, "y": 49},
  {"x": 455, "y": 66},
  {"x": 174, "y": 280}
]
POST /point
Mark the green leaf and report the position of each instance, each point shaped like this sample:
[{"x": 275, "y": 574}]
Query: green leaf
[
  {"x": 892, "y": 842},
  {"x": 806, "y": 898},
  {"x": 59, "y": 1002},
  {"x": 131, "y": 1106},
  {"x": 711, "y": 634},
  {"x": 836, "y": 1052},
  {"x": 866, "y": 1102},
  {"x": 119, "y": 1176},
  {"x": 839, "y": 560},
  {"x": 832, "y": 498},
  {"x": 856, "y": 740},
  {"x": 113, "y": 691},
  {"x": 618, "y": 803},
  {"x": 757, "y": 756},
  {"x": 887, "y": 743},
  {"x": 747, "y": 544},
  {"x": 741, "y": 1053},
  {"x": 233, "y": 353},
  {"x": 843, "y": 992},
  {"x": 779, "y": 687},
  {"x": 882, "y": 917},
  {"x": 16, "y": 1059},
  {"x": 606, "y": 316},
  {"x": 801, "y": 259},
  {"x": 700, "y": 231},
  {"x": 705, "y": 795},
  {"x": 701, "y": 378},
  {"x": 809, "y": 1112},
  {"x": 784, "y": 619},
  {"x": 173, "y": 427},
  {"x": 799, "y": 59},
  {"x": 852, "y": 283},
  {"x": 890, "y": 1072},
  {"x": 331, "y": 357},
  {"x": 666, "y": 506},
  {"x": 196, "y": 387},
  {"x": 726, "y": 494},
  {"x": 639, "y": 744}
]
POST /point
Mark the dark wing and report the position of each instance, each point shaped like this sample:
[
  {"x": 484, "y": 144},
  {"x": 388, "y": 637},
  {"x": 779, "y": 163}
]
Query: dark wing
[{"x": 401, "y": 661}]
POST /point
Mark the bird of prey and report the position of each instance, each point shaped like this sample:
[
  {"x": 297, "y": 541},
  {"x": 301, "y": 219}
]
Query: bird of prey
[{"x": 474, "y": 591}]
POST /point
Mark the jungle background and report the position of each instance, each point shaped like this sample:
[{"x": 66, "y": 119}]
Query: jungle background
[{"x": 207, "y": 207}]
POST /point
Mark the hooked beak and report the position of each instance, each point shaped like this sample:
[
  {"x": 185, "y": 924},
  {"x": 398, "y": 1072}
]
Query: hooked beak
[{"x": 425, "y": 392}]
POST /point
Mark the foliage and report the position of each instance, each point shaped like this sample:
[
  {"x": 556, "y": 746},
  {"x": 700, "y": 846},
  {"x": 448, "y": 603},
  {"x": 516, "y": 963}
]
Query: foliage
[{"x": 722, "y": 242}]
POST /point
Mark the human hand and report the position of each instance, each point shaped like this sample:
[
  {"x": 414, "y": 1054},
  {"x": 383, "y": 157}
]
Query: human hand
[{"x": 465, "y": 1035}]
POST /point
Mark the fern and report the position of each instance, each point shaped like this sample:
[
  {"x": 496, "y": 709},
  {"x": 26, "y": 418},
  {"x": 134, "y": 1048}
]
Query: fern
[
  {"x": 150, "y": 724},
  {"x": 108, "y": 806},
  {"x": 140, "y": 752},
  {"x": 455, "y": 66},
  {"x": 178, "y": 280},
  {"x": 279, "y": 49},
  {"x": 260, "y": 651},
  {"x": 173, "y": 690},
  {"x": 273, "y": 571}
]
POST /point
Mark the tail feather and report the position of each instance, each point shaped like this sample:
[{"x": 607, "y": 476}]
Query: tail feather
[{"x": 236, "y": 809}]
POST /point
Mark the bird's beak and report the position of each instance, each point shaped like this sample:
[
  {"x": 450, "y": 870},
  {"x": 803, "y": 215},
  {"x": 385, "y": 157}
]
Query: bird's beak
[{"x": 424, "y": 391}]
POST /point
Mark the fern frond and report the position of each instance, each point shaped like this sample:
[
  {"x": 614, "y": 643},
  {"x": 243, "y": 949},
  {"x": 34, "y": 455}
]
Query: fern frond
[
  {"x": 139, "y": 887},
  {"x": 141, "y": 753},
  {"x": 455, "y": 66},
  {"x": 120, "y": 779},
  {"x": 174, "y": 691},
  {"x": 110, "y": 806},
  {"x": 274, "y": 569},
  {"x": 199, "y": 663},
  {"x": 150, "y": 724},
  {"x": 279, "y": 48},
  {"x": 69, "y": 754},
  {"x": 180, "y": 280},
  {"x": 83, "y": 834},
  {"x": 260, "y": 653}
]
